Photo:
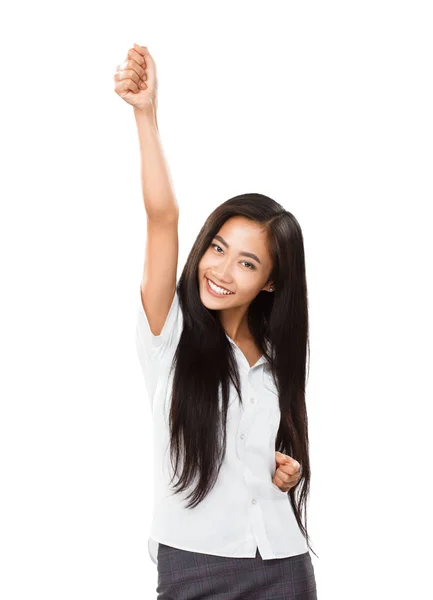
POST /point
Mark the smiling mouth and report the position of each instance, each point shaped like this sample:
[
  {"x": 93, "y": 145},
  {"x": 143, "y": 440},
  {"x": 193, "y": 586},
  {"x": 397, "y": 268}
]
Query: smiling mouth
[{"x": 215, "y": 291}]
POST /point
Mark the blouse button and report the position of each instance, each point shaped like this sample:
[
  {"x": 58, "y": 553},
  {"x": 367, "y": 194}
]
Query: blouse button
[
  {"x": 242, "y": 436},
  {"x": 252, "y": 399},
  {"x": 254, "y": 501}
]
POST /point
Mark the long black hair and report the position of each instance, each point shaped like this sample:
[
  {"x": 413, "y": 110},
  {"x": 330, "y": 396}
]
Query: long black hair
[{"x": 205, "y": 363}]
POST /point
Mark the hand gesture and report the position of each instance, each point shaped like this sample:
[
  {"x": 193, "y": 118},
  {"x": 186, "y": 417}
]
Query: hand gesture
[
  {"x": 288, "y": 472},
  {"x": 135, "y": 79}
]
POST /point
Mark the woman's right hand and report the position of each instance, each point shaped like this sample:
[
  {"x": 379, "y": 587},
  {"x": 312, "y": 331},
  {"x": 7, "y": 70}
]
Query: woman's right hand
[{"x": 135, "y": 79}]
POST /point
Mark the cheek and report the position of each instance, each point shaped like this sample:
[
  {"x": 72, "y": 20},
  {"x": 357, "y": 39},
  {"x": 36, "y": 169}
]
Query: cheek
[
  {"x": 205, "y": 263},
  {"x": 245, "y": 291},
  {"x": 202, "y": 266},
  {"x": 250, "y": 292}
]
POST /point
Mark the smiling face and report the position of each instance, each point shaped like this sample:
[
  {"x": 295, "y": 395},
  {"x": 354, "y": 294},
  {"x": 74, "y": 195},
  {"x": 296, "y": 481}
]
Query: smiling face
[{"x": 237, "y": 260}]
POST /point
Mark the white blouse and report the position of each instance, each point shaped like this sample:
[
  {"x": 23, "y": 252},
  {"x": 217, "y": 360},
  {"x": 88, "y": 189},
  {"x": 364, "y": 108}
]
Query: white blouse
[{"x": 245, "y": 509}]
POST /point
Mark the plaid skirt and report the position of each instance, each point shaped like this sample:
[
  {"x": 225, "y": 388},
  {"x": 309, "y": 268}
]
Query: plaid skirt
[{"x": 184, "y": 575}]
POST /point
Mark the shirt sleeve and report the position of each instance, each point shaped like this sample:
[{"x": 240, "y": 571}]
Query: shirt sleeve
[{"x": 155, "y": 352}]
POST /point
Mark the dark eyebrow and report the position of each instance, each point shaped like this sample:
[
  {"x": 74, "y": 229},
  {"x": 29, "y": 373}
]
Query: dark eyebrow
[{"x": 249, "y": 254}]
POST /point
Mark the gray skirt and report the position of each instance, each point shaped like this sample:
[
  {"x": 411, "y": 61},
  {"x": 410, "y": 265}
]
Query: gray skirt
[{"x": 184, "y": 575}]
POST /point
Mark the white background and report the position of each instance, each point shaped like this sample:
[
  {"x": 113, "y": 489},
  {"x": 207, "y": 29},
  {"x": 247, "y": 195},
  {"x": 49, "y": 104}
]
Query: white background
[{"x": 324, "y": 106}]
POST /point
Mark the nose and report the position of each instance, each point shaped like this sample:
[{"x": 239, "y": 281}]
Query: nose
[{"x": 222, "y": 273}]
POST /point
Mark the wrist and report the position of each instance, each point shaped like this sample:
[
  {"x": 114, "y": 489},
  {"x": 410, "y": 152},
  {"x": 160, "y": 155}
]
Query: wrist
[{"x": 145, "y": 115}]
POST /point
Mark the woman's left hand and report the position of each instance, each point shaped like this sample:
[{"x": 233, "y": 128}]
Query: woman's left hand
[{"x": 288, "y": 472}]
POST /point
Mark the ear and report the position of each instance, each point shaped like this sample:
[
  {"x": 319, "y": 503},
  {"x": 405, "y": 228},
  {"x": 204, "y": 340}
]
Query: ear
[{"x": 269, "y": 287}]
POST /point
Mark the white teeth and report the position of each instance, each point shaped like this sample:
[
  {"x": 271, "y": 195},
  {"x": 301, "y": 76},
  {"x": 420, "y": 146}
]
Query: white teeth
[{"x": 217, "y": 289}]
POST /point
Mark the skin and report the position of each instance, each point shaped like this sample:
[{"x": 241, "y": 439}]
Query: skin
[
  {"x": 288, "y": 472},
  {"x": 239, "y": 274}
]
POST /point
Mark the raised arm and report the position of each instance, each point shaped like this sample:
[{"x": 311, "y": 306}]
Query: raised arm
[
  {"x": 137, "y": 85},
  {"x": 160, "y": 263}
]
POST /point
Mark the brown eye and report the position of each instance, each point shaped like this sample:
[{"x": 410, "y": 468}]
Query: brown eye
[{"x": 252, "y": 267}]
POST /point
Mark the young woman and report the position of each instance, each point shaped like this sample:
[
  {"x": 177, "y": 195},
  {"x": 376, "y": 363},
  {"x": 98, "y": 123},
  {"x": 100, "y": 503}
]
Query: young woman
[{"x": 223, "y": 353}]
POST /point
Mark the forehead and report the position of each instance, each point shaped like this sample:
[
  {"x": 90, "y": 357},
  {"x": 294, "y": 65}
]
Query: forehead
[{"x": 241, "y": 229}]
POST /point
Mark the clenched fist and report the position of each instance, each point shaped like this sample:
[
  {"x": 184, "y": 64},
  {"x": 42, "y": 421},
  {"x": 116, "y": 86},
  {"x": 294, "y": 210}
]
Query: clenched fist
[
  {"x": 135, "y": 79},
  {"x": 288, "y": 472}
]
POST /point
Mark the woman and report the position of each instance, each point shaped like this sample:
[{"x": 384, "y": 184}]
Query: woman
[{"x": 223, "y": 354}]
